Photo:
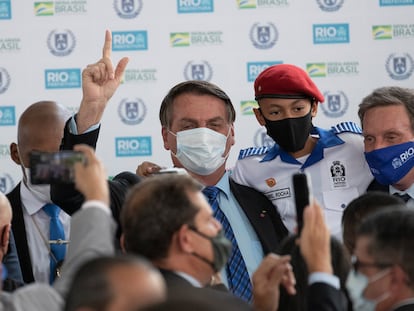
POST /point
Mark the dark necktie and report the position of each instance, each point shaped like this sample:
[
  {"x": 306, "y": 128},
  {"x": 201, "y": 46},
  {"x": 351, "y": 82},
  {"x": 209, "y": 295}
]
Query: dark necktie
[
  {"x": 238, "y": 277},
  {"x": 404, "y": 196},
  {"x": 56, "y": 239}
]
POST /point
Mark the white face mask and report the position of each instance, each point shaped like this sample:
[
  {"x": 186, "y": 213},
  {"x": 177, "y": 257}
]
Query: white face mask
[
  {"x": 356, "y": 284},
  {"x": 201, "y": 150}
]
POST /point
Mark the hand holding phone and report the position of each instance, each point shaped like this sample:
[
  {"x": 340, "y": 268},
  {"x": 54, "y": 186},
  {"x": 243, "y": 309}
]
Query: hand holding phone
[{"x": 303, "y": 192}]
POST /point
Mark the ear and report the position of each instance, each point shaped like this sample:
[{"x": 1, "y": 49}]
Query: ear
[
  {"x": 164, "y": 133},
  {"x": 314, "y": 108},
  {"x": 231, "y": 135},
  {"x": 122, "y": 243},
  {"x": 185, "y": 239},
  {"x": 14, "y": 154},
  {"x": 259, "y": 116}
]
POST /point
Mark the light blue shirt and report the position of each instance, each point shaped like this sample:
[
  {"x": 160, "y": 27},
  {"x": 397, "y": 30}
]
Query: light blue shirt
[{"x": 246, "y": 237}]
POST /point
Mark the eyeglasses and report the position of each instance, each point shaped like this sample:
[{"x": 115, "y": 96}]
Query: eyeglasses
[{"x": 357, "y": 264}]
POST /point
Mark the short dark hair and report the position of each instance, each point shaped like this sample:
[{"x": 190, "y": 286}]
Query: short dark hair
[
  {"x": 154, "y": 210},
  {"x": 198, "y": 88},
  {"x": 389, "y": 96},
  {"x": 390, "y": 234},
  {"x": 91, "y": 286},
  {"x": 360, "y": 207}
]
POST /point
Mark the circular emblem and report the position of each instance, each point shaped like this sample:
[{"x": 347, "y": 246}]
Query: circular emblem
[
  {"x": 399, "y": 67},
  {"x": 335, "y": 105},
  {"x": 330, "y": 5},
  {"x": 262, "y": 139},
  {"x": 6, "y": 183},
  {"x": 128, "y": 8},
  {"x": 198, "y": 70},
  {"x": 61, "y": 42},
  {"x": 132, "y": 111},
  {"x": 263, "y": 36},
  {"x": 4, "y": 80}
]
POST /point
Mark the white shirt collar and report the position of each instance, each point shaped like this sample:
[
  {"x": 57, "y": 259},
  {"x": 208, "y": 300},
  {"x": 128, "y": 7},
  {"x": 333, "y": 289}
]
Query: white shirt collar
[{"x": 30, "y": 202}]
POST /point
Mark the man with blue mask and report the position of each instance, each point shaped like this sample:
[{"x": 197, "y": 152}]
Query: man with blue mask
[
  {"x": 197, "y": 119},
  {"x": 387, "y": 116},
  {"x": 383, "y": 274}
]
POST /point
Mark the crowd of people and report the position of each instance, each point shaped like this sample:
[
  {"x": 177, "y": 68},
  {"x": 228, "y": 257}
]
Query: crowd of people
[{"x": 215, "y": 238}]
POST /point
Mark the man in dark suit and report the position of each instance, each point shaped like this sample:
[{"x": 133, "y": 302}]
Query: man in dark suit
[
  {"x": 387, "y": 116},
  {"x": 384, "y": 265}
]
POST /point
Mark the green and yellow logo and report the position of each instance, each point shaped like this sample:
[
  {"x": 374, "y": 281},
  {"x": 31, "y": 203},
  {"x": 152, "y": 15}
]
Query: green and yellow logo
[
  {"x": 246, "y": 107},
  {"x": 316, "y": 70},
  {"x": 246, "y": 4},
  {"x": 44, "y": 8},
  {"x": 382, "y": 32},
  {"x": 178, "y": 39}
]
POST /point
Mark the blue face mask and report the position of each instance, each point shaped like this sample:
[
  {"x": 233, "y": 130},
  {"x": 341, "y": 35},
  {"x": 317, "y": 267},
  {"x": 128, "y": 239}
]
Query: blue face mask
[{"x": 391, "y": 164}]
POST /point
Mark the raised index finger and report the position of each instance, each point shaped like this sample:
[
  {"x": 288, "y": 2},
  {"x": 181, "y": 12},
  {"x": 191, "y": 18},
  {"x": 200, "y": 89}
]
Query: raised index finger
[{"x": 106, "y": 51}]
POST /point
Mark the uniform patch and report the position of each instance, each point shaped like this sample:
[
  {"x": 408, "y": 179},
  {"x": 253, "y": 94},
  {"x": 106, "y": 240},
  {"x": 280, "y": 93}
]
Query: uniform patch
[
  {"x": 278, "y": 194},
  {"x": 344, "y": 127},
  {"x": 338, "y": 174},
  {"x": 244, "y": 153},
  {"x": 271, "y": 182}
]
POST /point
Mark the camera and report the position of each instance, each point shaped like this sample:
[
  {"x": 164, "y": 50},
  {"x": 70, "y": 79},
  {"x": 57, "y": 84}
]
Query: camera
[{"x": 54, "y": 167}]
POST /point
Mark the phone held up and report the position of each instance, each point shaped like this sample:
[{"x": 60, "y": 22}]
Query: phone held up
[
  {"x": 54, "y": 167},
  {"x": 303, "y": 192}
]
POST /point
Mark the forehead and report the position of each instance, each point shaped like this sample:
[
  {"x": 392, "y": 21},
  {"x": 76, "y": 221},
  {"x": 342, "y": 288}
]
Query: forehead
[
  {"x": 198, "y": 107},
  {"x": 362, "y": 248},
  {"x": 199, "y": 200},
  {"x": 383, "y": 118}
]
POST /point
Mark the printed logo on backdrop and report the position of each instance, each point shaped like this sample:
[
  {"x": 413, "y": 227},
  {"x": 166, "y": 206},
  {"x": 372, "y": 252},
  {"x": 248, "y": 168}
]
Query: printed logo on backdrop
[
  {"x": 396, "y": 2},
  {"x": 246, "y": 107},
  {"x": 330, "y": 5},
  {"x": 62, "y": 78},
  {"x": 199, "y": 38},
  {"x": 198, "y": 70},
  {"x": 255, "y": 68},
  {"x": 61, "y": 7},
  {"x": 258, "y": 4},
  {"x": 7, "y": 115},
  {"x": 4, "y": 151},
  {"x": 330, "y": 33},
  {"x": 195, "y": 6},
  {"x": 332, "y": 69},
  {"x": 61, "y": 42},
  {"x": 5, "y": 9},
  {"x": 4, "y": 80},
  {"x": 399, "y": 67},
  {"x": 132, "y": 111},
  {"x": 139, "y": 75},
  {"x": 128, "y": 8},
  {"x": 336, "y": 104},
  {"x": 387, "y": 32},
  {"x": 262, "y": 139},
  {"x": 133, "y": 146},
  {"x": 263, "y": 35},
  {"x": 10, "y": 45},
  {"x": 129, "y": 40},
  {"x": 6, "y": 183}
]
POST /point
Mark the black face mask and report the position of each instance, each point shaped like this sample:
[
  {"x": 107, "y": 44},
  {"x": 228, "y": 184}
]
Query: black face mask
[
  {"x": 291, "y": 133},
  {"x": 221, "y": 249}
]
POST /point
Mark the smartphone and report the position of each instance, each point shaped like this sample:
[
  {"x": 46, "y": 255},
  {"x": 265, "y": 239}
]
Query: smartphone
[
  {"x": 302, "y": 191},
  {"x": 54, "y": 167},
  {"x": 172, "y": 170}
]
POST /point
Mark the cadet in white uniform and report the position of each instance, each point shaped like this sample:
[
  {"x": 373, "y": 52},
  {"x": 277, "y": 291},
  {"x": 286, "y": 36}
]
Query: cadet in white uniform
[{"x": 288, "y": 100}]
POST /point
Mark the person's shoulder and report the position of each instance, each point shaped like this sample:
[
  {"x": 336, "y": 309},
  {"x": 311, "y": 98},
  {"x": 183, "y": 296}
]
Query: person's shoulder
[
  {"x": 346, "y": 127},
  {"x": 252, "y": 151}
]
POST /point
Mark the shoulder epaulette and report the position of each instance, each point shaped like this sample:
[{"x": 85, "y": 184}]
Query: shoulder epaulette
[
  {"x": 244, "y": 153},
  {"x": 346, "y": 127}
]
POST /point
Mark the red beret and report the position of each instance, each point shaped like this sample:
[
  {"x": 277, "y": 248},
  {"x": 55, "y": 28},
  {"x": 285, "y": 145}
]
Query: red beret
[{"x": 285, "y": 81}]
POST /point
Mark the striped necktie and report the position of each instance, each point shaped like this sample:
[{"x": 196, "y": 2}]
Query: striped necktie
[
  {"x": 237, "y": 275},
  {"x": 56, "y": 237}
]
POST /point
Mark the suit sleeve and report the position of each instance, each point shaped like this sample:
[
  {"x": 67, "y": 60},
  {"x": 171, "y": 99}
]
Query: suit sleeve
[{"x": 323, "y": 297}]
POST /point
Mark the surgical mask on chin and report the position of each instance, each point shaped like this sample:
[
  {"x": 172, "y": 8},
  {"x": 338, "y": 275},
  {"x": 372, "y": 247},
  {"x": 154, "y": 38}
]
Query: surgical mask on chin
[
  {"x": 221, "y": 249},
  {"x": 390, "y": 164},
  {"x": 41, "y": 192},
  {"x": 290, "y": 134},
  {"x": 356, "y": 284},
  {"x": 201, "y": 150}
]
